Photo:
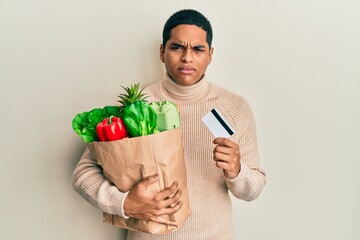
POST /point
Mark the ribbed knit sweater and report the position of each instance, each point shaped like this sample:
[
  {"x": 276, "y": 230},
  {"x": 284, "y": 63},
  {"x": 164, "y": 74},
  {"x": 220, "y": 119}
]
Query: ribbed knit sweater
[{"x": 211, "y": 209}]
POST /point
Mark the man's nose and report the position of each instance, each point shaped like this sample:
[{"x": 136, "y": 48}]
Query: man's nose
[{"x": 187, "y": 55}]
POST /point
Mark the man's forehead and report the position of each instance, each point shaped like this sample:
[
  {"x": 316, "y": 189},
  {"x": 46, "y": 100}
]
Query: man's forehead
[
  {"x": 188, "y": 29},
  {"x": 188, "y": 34},
  {"x": 187, "y": 42}
]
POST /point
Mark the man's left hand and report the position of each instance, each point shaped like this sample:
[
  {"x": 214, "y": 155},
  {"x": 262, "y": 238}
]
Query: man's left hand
[{"x": 227, "y": 157}]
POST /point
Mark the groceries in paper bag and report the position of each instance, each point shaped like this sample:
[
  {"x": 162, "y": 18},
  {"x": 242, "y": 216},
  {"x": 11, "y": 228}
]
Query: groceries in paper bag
[{"x": 133, "y": 141}]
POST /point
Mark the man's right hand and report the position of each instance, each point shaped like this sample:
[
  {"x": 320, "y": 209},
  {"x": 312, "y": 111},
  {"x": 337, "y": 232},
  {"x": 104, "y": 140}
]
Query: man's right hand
[{"x": 147, "y": 205}]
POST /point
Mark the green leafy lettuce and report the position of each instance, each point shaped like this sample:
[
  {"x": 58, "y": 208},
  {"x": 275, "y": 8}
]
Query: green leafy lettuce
[{"x": 84, "y": 124}]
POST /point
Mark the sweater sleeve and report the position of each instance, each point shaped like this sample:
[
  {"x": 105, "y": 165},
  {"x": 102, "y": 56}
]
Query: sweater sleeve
[
  {"x": 248, "y": 184},
  {"x": 251, "y": 179},
  {"x": 90, "y": 183}
]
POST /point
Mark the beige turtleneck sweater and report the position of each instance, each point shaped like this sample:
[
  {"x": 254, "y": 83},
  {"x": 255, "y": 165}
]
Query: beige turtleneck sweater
[{"x": 211, "y": 216}]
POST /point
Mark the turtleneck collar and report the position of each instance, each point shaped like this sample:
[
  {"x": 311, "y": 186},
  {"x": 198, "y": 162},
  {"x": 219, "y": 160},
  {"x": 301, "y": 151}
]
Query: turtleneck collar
[{"x": 182, "y": 94}]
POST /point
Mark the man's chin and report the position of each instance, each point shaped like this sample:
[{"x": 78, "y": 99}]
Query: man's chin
[{"x": 186, "y": 80}]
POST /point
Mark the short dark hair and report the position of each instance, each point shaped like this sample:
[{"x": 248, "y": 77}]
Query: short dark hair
[{"x": 189, "y": 17}]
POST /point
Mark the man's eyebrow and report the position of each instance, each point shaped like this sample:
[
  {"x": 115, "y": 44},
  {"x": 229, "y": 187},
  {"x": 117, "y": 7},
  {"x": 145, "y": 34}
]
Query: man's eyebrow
[
  {"x": 183, "y": 46},
  {"x": 176, "y": 45}
]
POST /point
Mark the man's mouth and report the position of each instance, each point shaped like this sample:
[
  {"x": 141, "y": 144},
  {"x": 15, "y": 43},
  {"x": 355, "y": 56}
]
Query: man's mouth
[{"x": 187, "y": 70}]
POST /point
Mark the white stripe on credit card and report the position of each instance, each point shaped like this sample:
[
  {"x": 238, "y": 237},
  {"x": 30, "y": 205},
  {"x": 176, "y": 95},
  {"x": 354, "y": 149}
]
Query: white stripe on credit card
[{"x": 217, "y": 125}]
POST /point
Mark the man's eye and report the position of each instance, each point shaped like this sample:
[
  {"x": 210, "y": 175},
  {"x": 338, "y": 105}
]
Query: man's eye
[
  {"x": 175, "y": 47},
  {"x": 198, "y": 49}
]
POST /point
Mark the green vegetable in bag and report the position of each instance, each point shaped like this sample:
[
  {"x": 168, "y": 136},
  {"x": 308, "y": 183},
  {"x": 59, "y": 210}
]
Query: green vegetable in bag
[
  {"x": 139, "y": 118},
  {"x": 84, "y": 124}
]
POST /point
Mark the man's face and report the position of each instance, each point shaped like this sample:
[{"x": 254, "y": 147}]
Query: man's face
[{"x": 186, "y": 54}]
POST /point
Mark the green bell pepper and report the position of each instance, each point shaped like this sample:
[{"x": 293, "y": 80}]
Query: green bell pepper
[{"x": 140, "y": 119}]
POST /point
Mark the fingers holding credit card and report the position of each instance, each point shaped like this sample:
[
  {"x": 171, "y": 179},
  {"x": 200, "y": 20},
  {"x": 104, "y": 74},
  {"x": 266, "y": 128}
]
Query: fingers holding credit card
[{"x": 226, "y": 152}]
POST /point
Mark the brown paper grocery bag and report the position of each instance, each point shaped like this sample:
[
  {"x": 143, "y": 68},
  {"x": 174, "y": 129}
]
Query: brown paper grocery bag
[{"x": 127, "y": 161}]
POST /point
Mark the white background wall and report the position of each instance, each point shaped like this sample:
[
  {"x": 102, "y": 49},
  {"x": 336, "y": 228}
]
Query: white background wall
[{"x": 297, "y": 62}]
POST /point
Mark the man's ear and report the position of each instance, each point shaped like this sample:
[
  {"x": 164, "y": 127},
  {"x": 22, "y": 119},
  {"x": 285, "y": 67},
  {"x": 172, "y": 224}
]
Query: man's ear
[
  {"x": 162, "y": 52},
  {"x": 210, "y": 54}
]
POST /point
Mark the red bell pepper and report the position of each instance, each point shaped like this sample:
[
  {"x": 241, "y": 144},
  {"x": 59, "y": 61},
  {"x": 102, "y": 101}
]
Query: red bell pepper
[{"x": 111, "y": 129}]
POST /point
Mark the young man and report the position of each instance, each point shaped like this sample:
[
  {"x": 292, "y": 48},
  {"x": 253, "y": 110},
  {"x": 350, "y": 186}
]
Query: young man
[{"x": 214, "y": 166}]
